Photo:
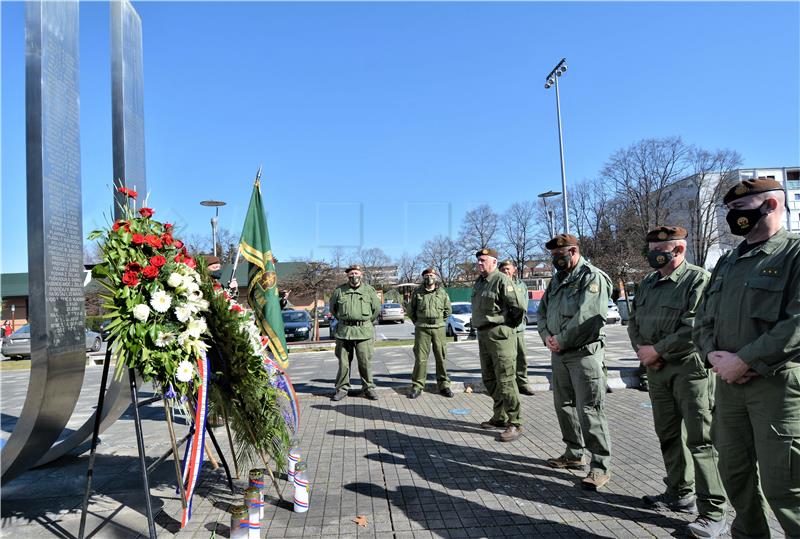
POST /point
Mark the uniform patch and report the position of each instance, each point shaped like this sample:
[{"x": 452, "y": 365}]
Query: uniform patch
[
  {"x": 741, "y": 189},
  {"x": 594, "y": 288},
  {"x": 662, "y": 235}
]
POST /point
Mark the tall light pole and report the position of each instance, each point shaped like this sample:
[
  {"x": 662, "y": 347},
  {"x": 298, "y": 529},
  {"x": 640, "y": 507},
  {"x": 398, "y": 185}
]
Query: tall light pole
[
  {"x": 551, "y": 225},
  {"x": 552, "y": 79},
  {"x": 214, "y": 204}
]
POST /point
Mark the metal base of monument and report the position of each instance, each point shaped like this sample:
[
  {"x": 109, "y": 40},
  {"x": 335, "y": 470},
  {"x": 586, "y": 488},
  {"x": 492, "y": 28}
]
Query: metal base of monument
[{"x": 145, "y": 470}]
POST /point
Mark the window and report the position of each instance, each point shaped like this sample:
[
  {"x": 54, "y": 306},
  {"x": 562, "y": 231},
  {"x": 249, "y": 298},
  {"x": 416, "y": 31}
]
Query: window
[
  {"x": 797, "y": 196},
  {"x": 793, "y": 184}
]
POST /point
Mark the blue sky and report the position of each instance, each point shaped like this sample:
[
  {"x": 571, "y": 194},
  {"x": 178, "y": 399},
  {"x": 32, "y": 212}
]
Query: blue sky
[{"x": 380, "y": 124}]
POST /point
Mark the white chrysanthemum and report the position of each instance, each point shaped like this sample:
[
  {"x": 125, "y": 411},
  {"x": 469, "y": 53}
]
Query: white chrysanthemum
[
  {"x": 161, "y": 301},
  {"x": 164, "y": 339},
  {"x": 141, "y": 312},
  {"x": 183, "y": 312},
  {"x": 196, "y": 327},
  {"x": 174, "y": 280},
  {"x": 185, "y": 372}
]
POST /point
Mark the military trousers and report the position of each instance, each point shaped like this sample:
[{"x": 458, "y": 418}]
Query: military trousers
[
  {"x": 497, "y": 350},
  {"x": 424, "y": 340},
  {"x": 682, "y": 395},
  {"x": 756, "y": 430},
  {"x": 579, "y": 390},
  {"x": 345, "y": 350},
  {"x": 522, "y": 360}
]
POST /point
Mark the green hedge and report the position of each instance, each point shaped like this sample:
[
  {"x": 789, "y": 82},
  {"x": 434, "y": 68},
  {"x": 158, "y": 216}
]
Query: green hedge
[{"x": 93, "y": 323}]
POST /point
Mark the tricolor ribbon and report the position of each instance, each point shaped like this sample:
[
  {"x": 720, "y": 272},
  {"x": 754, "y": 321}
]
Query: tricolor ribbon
[{"x": 193, "y": 460}]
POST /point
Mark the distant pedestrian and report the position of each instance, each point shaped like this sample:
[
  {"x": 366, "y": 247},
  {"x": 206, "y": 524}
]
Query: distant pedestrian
[
  {"x": 7, "y": 329},
  {"x": 681, "y": 389},
  {"x": 748, "y": 331},
  {"x": 572, "y": 315},
  {"x": 355, "y": 305},
  {"x": 496, "y": 312},
  {"x": 429, "y": 308},
  {"x": 510, "y": 268}
]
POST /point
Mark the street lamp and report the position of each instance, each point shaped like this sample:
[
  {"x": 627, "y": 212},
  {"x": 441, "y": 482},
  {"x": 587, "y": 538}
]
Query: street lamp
[
  {"x": 552, "y": 79},
  {"x": 214, "y": 204},
  {"x": 551, "y": 225}
]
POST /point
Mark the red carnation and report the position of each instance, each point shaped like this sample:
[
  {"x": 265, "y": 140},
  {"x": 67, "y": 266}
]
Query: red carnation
[
  {"x": 167, "y": 239},
  {"x": 158, "y": 261},
  {"x": 127, "y": 227},
  {"x": 138, "y": 239},
  {"x": 134, "y": 267},
  {"x": 130, "y": 278},
  {"x": 151, "y": 272},
  {"x": 217, "y": 286},
  {"x": 178, "y": 257},
  {"x": 146, "y": 212},
  {"x": 189, "y": 261},
  {"x": 236, "y": 308},
  {"x": 154, "y": 241},
  {"x": 167, "y": 226},
  {"x": 178, "y": 244},
  {"x": 118, "y": 223},
  {"x": 226, "y": 295},
  {"x": 129, "y": 192}
]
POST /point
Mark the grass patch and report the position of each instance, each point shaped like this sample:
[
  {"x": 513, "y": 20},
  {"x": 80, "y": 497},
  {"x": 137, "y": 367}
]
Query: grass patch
[{"x": 15, "y": 365}]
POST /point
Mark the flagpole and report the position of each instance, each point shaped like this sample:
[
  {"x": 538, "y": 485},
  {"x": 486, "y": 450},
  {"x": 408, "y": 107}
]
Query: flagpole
[{"x": 239, "y": 250}]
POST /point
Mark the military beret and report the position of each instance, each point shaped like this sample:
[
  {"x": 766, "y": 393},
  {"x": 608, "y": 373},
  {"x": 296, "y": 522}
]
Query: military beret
[
  {"x": 666, "y": 233},
  {"x": 486, "y": 251},
  {"x": 751, "y": 187},
  {"x": 211, "y": 259},
  {"x": 561, "y": 240},
  {"x": 428, "y": 270},
  {"x": 352, "y": 267},
  {"x": 507, "y": 262}
]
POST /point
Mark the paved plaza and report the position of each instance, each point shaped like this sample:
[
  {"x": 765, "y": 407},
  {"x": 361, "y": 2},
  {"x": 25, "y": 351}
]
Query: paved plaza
[{"x": 412, "y": 468}]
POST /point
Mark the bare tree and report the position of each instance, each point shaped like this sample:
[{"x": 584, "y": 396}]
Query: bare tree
[
  {"x": 227, "y": 244},
  {"x": 713, "y": 173},
  {"x": 92, "y": 253},
  {"x": 373, "y": 260},
  {"x": 442, "y": 254},
  {"x": 479, "y": 228},
  {"x": 338, "y": 257},
  {"x": 640, "y": 173},
  {"x": 314, "y": 279},
  {"x": 518, "y": 228},
  {"x": 408, "y": 268}
]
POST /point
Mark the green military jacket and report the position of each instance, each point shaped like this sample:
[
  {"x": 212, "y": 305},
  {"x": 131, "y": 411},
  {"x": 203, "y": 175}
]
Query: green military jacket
[
  {"x": 494, "y": 301},
  {"x": 355, "y": 305},
  {"x": 522, "y": 296},
  {"x": 664, "y": 310},
  {"x": 429, "y": 308},
  {"x": 574, "y": 307},
  {"x": 751, "y": 306}
]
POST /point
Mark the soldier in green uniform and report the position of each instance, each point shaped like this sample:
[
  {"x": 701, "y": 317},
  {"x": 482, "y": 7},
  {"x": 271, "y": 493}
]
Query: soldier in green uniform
[
  {"x": 681, "y": 390},
  {"x": 429, "y": 308},
  {"x": 496, "y": 311},
  {"x": 748, "y": 331},
  {"x": 509, "y": 268},
  {"x": 572, "y": 315},
  {"x": 355, "y": 305}
]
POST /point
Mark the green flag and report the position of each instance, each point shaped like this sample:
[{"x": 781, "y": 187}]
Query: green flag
[{"x": 262, "y": 292}]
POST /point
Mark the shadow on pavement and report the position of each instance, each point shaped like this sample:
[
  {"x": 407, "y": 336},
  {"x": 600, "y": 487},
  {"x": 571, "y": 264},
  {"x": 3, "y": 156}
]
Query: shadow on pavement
[{"x": 476, "y": 471}]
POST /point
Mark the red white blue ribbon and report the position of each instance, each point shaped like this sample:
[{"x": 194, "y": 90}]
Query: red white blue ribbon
[{"x": 193, "y": 460}]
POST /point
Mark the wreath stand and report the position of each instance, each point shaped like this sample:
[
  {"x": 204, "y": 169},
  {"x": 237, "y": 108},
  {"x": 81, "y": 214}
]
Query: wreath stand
[{"x": 144, "y": 469}]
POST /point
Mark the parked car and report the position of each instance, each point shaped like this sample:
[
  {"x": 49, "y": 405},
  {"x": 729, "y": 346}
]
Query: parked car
[
  {"x": 392, "y": 312},
  {"x": 458, "y": 323},
  {"x": 324, "y": 316},
  {"x": 613, "y": 316},
  {"x": 19, "y": 343},
  {"x": 532, "y": 316},
  {"x": 297, "y": 325}
]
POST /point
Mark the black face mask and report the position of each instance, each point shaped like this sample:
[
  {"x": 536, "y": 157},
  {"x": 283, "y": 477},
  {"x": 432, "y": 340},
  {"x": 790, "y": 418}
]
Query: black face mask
[
  {"x": 659, "y": 259},
  {"x": 429, "y": 281},
  {"x": 216, "y": 274},
  {"x": 354, "y": 281},
  {"x": 561, "y": 262},
  {"x": 742, "y": 222}
]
